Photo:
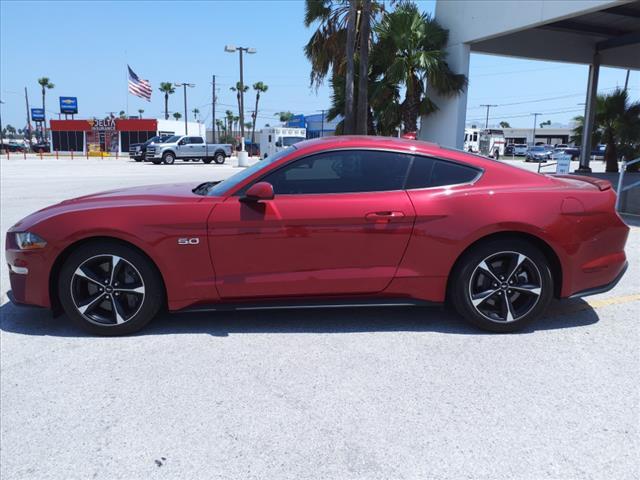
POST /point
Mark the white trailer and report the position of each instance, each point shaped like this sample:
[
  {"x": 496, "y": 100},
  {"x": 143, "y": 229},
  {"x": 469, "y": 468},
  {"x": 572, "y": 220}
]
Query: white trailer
[{"x": 275, "y": 139}]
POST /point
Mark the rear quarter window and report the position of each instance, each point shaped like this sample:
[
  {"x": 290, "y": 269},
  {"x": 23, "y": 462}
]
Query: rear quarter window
[{"x": 430, "y": 172}]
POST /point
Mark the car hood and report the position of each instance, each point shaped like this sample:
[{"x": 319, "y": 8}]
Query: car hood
[{"x": 123, "y": 197}]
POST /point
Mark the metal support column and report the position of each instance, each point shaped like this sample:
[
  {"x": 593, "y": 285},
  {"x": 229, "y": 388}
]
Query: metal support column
[{"x": 589, "y": 114}]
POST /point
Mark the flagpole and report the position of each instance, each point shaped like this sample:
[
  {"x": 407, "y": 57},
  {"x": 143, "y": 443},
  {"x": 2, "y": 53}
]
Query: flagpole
[{"x": 126, "y": 75}]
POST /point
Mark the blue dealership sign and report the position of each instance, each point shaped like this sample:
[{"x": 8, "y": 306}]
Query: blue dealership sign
[
  {"x": 297, "y": 121},
  {"x": 37, "y": 114},
  {"x": 69, "y": 105}
]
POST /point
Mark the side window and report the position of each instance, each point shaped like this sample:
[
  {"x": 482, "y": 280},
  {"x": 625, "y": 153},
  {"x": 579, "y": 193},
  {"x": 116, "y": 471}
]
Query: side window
[
  {"x": 428, "y": 172},
  {"x": 342, "y": 171},
  {"x": 449, "y": 173},
  {"x": 184, "y": 141},
  {"x": 195, "y": 140},
  {"x": 420, "y": 175}
]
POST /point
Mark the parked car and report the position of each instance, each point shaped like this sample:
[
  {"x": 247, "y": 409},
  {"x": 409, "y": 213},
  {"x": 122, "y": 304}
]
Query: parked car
[
  {"x": 187, "y": 148},
  {"x": 509, "y": 149},
  {"x": 41, "y": 147},
  {"x": 137, "y": 151},
  {"x": 597, "y": 153},
  {"x": 12, "y": 146},
  {"x": 348, "y": 220},
  {"x": 567, "y": 150},
  {"x": 520, "y": 149},
  {"x": 538, "y": 154}
]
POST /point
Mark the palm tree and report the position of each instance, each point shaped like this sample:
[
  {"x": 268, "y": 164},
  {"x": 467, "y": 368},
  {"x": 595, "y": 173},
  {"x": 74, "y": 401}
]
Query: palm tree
[
  {"x": 362, "y": 112},
  {"x": 229, "y": 121},
  {"x": 244, "y": 89},
  {"x": 410, "y": 52},
  {"x": 219, "y": 126},
  {"x": 284, "y": 117},
  {"x": 167, "y": 89},
  {"x": 177, "y": 115},
  {"x": 46, "y": 85},
  {"x": 619, "y": 121},
  {"x": 140, "y": 112},
  {"x": 236, "y": 122},
  {"x": 341, "y": 24},
  {"x": 195, "y": 112},
  {"x": 259, "y": 88},
  {"x": 504, "y": 124}
]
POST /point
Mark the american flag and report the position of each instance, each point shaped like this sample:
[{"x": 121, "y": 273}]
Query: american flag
[{"x": 138, "y": 87}]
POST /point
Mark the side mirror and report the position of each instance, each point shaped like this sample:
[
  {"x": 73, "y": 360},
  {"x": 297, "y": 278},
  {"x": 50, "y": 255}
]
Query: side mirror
[
  {"x": 257, "y": 192},
  {"x": 278, "y": 143},
  {"x": 182, "y": 142}
]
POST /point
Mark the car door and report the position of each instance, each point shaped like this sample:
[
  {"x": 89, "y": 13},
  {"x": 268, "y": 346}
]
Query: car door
[
  {"x": 196, "y": 147},
  {"x": 182, "y": 148},
  {"x": 338, "y": 224}
]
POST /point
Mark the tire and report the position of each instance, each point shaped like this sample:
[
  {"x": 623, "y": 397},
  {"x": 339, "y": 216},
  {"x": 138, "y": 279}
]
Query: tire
[
  {"x": 103, "y": 304},
  {"x": 502, "y": 306},
  {"x": 138, "y": 159},
  {"x": 168, "y": 158},
  {"x": 219, "y": 158},
  {"x": 207, "y": 160}
]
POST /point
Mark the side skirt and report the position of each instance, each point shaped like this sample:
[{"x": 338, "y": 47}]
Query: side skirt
[{"x": 298, "y": 304}]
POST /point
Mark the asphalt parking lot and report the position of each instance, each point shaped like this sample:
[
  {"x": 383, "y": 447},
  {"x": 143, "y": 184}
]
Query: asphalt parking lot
[{"x": 344, "y": 394}]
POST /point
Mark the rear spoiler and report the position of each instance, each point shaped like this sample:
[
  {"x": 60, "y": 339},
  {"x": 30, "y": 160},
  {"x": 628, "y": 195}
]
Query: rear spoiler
[{"x": 596, "y": 182}]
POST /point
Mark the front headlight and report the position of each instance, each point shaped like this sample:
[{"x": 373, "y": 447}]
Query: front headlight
[{"x": 29, "y": 241}]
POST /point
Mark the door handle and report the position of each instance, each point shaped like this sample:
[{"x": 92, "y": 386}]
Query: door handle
[{"x": 383, "y": 217}]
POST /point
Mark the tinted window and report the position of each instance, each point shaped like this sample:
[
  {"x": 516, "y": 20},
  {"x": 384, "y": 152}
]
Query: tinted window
[
  {"x": 195, "y": 140},
  {"x": 341, "y": 172},
  {"x": 420, "y": 176},
  {"x": 428, "y": 172},
  {"x": 448, "y": 173}
]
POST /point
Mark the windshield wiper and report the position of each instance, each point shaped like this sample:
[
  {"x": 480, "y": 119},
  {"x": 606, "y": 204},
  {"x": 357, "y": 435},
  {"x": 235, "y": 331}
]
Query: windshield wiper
[{"x": 203, "y": 188}]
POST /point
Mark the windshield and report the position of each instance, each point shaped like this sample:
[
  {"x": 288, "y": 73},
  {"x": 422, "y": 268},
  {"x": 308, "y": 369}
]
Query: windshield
[
  {"x": 172, "y": 139},
  {"x": 537, "y": 149},
  {"x": 226, "y": 185},
  {"x": 152, "y": 140},
  {"x": 288, "y": 141}
]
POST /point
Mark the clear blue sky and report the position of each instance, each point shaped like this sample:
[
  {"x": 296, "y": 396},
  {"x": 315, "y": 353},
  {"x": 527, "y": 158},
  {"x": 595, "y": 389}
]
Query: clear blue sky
[{"x": 84, "y": 48}]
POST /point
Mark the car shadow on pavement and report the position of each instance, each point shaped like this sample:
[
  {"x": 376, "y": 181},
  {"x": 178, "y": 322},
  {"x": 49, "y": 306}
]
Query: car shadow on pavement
[{"x": 39, "y": 322}]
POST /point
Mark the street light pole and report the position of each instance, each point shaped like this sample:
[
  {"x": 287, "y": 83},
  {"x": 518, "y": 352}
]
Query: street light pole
[
  {"x": 241, "y": 50},
  {"x": 185, "y": 85},
  {"x": 535, "y": 121}
]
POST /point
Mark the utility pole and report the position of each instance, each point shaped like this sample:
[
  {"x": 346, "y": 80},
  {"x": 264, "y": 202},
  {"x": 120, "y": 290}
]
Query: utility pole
[
  {"x": 626, "y": 81},
  {"x": 1, "y": 136},
  {"x": 186, "y": 117},
  {"x": 26, "y": 99},
  {"x": 535, "y": 122},
  {"x": 486, "y": 122},
  {"x": 213, "y": 109}
]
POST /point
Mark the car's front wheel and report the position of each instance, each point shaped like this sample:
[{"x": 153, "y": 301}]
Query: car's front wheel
[
  {"x": 169, "y": 158},
  {"x": 502, "y": 285},
  {"x": 108, "y": 288}
]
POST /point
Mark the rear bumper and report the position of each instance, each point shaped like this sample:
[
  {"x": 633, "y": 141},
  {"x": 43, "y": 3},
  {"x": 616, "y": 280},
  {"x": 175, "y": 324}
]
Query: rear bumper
[{"x": 603, "y": 288}]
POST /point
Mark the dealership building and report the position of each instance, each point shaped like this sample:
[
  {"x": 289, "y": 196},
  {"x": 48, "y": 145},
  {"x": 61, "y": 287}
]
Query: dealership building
[
  {"x": 113, "y": 135},
  {"x": 589, "y": 32}
]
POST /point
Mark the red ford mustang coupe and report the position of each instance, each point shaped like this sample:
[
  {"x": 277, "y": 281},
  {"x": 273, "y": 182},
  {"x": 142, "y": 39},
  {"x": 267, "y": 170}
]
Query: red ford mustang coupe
[{"x": 338, "y": 221}]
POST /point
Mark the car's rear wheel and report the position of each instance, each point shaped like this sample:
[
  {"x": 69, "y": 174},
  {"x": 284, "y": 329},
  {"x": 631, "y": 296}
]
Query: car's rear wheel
[
  {"x": 107, "y": 288},
  {"x": 219, "y": 158},
  {"x": 502, "y": 285},
  {"x": 169, "y": 158}
]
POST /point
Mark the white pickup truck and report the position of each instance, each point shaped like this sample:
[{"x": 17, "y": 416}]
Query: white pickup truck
[{"x": 187, "y": 147}]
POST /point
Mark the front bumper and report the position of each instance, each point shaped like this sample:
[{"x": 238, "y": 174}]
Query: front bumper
[{"x": 29, "y": 276}]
